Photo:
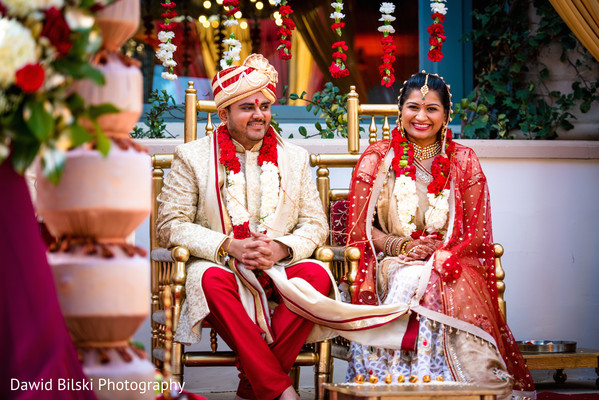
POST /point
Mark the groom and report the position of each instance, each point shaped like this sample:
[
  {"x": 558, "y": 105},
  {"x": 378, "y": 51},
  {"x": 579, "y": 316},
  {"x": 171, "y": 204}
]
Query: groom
[{"x": 243, "y": 201}]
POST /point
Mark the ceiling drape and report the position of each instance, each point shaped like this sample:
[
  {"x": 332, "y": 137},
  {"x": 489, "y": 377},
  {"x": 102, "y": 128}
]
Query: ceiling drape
[{"x": 582, "y": 17}]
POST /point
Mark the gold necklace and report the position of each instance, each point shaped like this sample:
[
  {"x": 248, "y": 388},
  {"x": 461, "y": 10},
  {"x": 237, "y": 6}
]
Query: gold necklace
[{"x": 424, "y": 153}]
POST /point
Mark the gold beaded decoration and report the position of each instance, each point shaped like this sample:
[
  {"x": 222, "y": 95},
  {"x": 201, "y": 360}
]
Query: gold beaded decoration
[
  {"x": 424, "y": 153},
  {"x": 424, "y": 88}
]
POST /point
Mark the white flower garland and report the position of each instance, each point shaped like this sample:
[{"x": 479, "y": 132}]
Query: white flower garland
[
  {"x": 438, "y": 6},
  {"x": 438, "y": 210},
  {"x": 237, "y": 202},
  {"x": 165, "y": 53},
  {"x": 407, "y": 203},
  {"x": 386, "y": 10},
  {"x": 337, "y": 14},
  {"x": 234, "y": 45}
]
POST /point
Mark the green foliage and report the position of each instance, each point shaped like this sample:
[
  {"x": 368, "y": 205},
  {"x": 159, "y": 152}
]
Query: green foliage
[
  {"x": 509, "y": 95},
  {"x": 161, "y": 102},
  {"x": 329, "y": 105}
]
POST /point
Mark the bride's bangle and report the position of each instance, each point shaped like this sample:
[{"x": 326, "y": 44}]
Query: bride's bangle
[{"x": 404, "y": 246}]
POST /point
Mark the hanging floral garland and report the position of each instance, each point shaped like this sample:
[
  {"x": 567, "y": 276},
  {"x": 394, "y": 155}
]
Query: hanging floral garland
[
  {"x": 386, "y": 68},
  {"x": 437, "y": 30},
  {"x": 338, "y": 69},
  {"x": 405, "y": 185},
  {"x": 269, "y": 182},
  {"x": 166, "y": 35},
  {"x": 234, "y": 45},
  {"x": 284, "y": 31}
]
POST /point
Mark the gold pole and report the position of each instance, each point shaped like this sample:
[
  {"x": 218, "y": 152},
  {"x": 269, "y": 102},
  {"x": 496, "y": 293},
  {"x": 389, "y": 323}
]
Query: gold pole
[
  {"x": 353, "y": 128},
  {"x": 190, "y": 124}
]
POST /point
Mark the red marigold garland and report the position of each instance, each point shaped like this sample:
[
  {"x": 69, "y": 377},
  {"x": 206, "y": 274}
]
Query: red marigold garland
[
  {"x": 386, "y": 68},
  {"x": 338, "y": 69},
  {"x": 437, "y": 30},
  {"x": 284, "y": 31}
]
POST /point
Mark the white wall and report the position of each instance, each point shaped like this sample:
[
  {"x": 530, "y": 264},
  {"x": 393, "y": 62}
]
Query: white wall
[{"x": 545, "y": 214}]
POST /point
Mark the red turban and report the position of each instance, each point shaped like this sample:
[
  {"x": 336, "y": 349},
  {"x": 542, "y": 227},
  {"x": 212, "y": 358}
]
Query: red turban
[{"x": 255, "y": 75}]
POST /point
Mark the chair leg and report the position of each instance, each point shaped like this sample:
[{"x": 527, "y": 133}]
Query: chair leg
[
  {"x": 295, "y": 377},
  {"x": 323, "y": 370},
  {"x": 177, "y": 363}
]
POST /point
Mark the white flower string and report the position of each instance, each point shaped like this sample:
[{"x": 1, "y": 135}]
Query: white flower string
[
  {"x": 386, "y": 68},
  {"x": 166, "y": 48},
  {"x": 233, "y": 45}
]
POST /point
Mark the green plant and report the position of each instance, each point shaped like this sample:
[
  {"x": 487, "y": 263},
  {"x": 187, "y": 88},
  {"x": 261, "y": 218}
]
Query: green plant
[
  {"x": 511, "y": 91},
  {"x": 162, "y": 103},
  {"x": 327, "y": 104}
]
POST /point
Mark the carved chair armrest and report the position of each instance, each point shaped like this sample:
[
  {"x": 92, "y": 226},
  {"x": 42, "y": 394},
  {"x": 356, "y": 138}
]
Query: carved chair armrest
[{"x": 342, "y": 261}]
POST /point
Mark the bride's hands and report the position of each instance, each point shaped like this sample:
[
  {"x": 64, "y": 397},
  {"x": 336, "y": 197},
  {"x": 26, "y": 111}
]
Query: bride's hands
[{"x": 421, "y": 249}]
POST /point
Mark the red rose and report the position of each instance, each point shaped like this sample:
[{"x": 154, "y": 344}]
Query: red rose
[
  {"x": 57, "y": 30},
  {"x": 436, "y": 30},
  {"x": 342, "y": 56},
  {"x": 285, "y": 10},
  {"x": 232, "y": 11},
  {"x": 169, "y": 14},
  {"x": 337, "y": 72},
  {"x": 228, "y": 3},
  {"x": 30, "y": 78},
  {"x": 288, "y": 22},
  {"x": 435, "y": 54},
  {"x": 340, "y": 44},
  {"x": 172, "y": 5},
  {"x": 438, "y": 16},
  {"x": 337, "y": 25},
  {"x": 242, "y": 231}
]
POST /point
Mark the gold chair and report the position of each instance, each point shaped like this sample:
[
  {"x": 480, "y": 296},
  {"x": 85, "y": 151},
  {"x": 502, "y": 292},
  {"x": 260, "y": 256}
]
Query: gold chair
[
  {"x": 168, "y": 283},
  {"x": 344, "y": 268}
]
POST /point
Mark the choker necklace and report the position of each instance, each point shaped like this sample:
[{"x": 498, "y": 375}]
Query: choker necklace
[{"x": 424, "y": 153}]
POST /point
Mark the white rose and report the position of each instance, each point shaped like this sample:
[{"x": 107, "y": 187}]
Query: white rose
[
  {"x": 387, "y": 28},
  {"x": 165, "y": 36},
  {"x": 17, "y": 49},
  {"x": 387, "y": 17},
  {"x": 387, "y": 8},
  {"x": 337, "y": 15},
  {"x": 22, "y": 8},
  {"x": 438, "y": 8},
  {"x": 169, "y": 76}
]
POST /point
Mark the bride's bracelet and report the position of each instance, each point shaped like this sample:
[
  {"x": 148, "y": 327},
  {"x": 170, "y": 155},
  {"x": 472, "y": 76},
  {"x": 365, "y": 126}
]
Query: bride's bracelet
[{"x": 395, "y": 245}]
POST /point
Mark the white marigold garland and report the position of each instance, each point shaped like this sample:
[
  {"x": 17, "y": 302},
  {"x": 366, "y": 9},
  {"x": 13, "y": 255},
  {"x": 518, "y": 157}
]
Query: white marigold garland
[
  {"x": 166, "y": 48},
  {"x": 234, "y": 46}
]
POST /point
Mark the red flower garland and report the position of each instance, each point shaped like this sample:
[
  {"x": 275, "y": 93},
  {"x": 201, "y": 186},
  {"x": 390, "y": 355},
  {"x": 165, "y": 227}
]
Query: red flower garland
[
  {"x": 228, "y": 158},
  {"x": 284, "y": 32},
  {"x": 437, "y": 32},
  {"x": 386, "y": 68},
  {"x": 168, "y": 15},
  {"x": 338, "y": 69},
  {"x": 403, "y": 161}
]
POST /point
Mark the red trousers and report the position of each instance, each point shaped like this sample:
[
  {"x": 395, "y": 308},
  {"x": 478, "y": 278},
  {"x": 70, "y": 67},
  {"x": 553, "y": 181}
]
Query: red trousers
[{"x": 266, "y": 367}]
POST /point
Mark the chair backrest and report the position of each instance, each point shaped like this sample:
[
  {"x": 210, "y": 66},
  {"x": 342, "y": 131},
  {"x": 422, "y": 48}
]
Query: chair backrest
[
  {"x": 160, "y": 162},
  {"x": 334, "y": 200}
]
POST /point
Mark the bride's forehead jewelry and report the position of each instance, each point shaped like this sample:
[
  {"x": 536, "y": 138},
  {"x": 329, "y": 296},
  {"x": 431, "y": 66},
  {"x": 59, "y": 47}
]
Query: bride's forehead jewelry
[{"x": 424, "y": 88}]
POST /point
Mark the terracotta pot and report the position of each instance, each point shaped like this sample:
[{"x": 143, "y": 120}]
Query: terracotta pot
[
  {"x": 101, "y": 197},
  {"x": 103, "y": 300},
  {"x": 123, "y": 88},
  {"x": 118, "y": 22}
]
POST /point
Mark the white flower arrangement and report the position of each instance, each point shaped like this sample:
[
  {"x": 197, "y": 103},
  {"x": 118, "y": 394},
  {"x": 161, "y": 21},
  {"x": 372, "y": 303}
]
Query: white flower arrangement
[
  {"x": 437, "y": 212},
  {"x": 235, "y": 207},
  {"x": 407, "y": 203},
  {"x": 387, "y": 28},
  {"x": 165, "y": 54},
  {"x": 17, "y": 49},
  {"x": 232, "y": 54},
  {"x": 387, "y": 8},
  {"x": 22, "y": 8},
  {"x": 438, "y": 6},
  {"x": 237, "y": 202},
  {"x": 269, "y": 183}
]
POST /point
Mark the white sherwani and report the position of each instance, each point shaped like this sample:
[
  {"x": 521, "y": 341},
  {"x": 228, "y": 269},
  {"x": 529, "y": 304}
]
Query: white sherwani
[{"x": 192, "y": 213}]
